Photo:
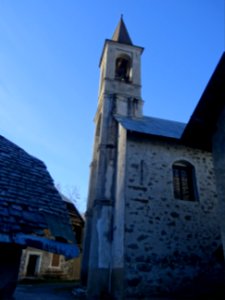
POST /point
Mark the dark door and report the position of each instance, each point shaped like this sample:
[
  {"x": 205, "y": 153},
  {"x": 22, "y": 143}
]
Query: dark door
[{"x": 32, "y": 265}]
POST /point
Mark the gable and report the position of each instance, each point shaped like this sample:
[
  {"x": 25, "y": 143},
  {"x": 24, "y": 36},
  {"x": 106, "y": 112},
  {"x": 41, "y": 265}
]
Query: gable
[{"x": 202, "y": 124}]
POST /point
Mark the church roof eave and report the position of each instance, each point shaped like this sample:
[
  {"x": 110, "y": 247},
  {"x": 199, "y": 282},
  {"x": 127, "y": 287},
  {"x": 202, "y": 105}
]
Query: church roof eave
[{"x": 152, "y": 126}]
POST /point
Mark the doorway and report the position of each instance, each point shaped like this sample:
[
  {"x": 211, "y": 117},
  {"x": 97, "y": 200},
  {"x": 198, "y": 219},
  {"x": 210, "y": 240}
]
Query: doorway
[{"x": 33, "y": 264}]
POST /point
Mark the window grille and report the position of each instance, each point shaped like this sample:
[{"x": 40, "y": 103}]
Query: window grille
[{"x": 184, "y": 185}]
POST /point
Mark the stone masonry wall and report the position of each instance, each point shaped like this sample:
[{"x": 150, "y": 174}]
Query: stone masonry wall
[
  {"x": 168, "y": 242},
  {"x": 67, "y": 269}
]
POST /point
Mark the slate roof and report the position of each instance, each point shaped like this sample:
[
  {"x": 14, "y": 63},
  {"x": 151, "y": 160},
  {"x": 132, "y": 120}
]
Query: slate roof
[
  {"x": 29, "y": 202},
  {"x": 121, "y": 34},
  {"x": 153, "y": 126}
]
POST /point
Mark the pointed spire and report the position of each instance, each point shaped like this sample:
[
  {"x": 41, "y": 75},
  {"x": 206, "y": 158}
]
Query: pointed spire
[{"x": 121, "y": 34}]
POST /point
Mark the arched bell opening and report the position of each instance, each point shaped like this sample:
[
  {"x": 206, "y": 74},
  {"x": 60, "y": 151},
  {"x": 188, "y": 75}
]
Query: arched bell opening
[{"x": 123, "y": 68}]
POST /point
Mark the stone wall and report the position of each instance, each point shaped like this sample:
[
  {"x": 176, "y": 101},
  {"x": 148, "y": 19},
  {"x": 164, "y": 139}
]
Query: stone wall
[
  {"x": 66, "y": 270},
  {"x": 168, "y": 242}
]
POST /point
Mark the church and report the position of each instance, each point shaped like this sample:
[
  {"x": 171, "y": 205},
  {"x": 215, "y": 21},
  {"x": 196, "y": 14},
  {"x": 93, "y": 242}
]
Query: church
[{"x": 155, "y": 215}]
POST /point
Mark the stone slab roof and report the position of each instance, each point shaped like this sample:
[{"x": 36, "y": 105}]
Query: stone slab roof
[
  {"x": 29, "y": 202},
  {"x": 153, "y": 126}
]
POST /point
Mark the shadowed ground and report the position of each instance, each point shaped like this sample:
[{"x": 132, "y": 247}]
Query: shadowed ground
[
  {"x": 72, "y": 290},
  {"x": 45, "y": 291}
]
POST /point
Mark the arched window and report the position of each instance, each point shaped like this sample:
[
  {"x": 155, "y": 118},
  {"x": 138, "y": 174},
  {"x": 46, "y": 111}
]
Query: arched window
[
  {"x": 184, "y": 184},
  {"x": 123, "y": 68}
]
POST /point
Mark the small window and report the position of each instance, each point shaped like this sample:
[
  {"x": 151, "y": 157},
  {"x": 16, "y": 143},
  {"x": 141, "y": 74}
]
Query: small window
[
  {"x": 122, "y": 71},
  {"x": 55, "y": 260},
  {"x": 184, "y": 185}
]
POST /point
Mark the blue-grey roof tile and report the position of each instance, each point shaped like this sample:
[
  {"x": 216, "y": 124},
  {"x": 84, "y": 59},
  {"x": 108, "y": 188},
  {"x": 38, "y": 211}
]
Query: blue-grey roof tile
[{"x": 153, "y": 126}]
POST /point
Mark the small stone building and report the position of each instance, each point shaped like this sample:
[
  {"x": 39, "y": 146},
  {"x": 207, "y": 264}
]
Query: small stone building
[
  {"x": 155, "y": 213},
  {"x": 32, "y": 213},
  {"x": 37, "y": 264}
]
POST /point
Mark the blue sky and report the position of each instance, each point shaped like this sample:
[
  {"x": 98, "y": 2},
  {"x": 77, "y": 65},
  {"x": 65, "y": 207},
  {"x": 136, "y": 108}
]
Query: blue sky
[{"x": 49, "y": 75}]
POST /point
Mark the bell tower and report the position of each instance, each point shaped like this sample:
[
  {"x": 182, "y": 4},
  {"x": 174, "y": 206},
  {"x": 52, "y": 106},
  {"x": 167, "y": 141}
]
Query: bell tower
[
  {"x": 120, "y": 69},
  {"x": 119, "y": 94}
]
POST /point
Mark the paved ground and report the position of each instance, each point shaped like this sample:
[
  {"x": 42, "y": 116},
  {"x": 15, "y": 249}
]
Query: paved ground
[
  {"x": 53, "y": 291},
  {"x": 45, "y": 291},
  {"x": 59, "y": 291},
  {"x": 64, "y": 291}
]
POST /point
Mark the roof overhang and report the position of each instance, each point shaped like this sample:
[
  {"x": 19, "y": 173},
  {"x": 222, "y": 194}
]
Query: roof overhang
[
  {"x": 68, "y": 250},
  {"x": 151, "y": 126}
]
